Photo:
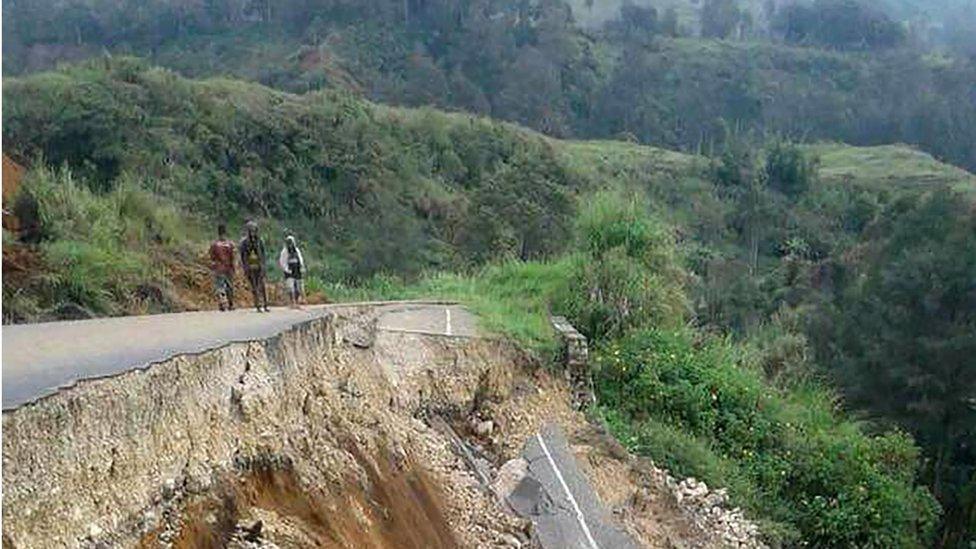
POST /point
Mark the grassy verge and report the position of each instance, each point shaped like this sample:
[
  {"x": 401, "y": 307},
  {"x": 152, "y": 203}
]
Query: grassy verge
[{"x": 511, "y": 298}]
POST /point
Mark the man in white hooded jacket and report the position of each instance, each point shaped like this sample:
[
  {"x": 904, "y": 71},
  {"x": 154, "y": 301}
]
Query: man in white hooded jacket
[{"x": 293, "y": 265}]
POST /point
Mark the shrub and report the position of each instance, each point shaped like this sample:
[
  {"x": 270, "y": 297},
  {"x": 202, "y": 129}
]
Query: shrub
[
  {"x": 685, "y": 455},
  {"x": 788, "y": 170},
  {"x": 786, "y": 455},
  {"x": 628, "y": 274}
]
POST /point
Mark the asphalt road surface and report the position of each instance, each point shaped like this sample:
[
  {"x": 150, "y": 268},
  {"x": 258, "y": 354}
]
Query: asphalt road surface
[
  {"x": 40, "y": 359},
  {"x": 556, "y": 497}
]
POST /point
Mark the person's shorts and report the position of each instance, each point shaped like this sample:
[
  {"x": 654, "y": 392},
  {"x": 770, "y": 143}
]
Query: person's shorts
[
  {"x": 222, "y": 283},
  {"x": 293, "y": 285}
]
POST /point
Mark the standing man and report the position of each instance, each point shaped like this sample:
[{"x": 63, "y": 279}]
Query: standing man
[
  {"x": 292, "y": 265},
  {"x": 253, "y": 262},
  {"x": 222, "y": 268}
]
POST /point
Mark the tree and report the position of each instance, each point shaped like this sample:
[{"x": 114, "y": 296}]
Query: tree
[
  {"x": 740, "y": 175},
  {"x": 634, "y": 23},
  {"x": 903, "y": 339},
  {"x": 532, "y": 93},
  {"x": 669, "y": 22},
  {"x": 720, "y": 18},
  {"x": 841, "y": 24},
  {"x": 788, "y": 170},
  {"x": 424, "y": 83}
]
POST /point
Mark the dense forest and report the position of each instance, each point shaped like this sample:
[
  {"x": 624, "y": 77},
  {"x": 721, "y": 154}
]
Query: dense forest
[
  {"x": 772, "y": 310},
  {"x": 684, "y": 76}
]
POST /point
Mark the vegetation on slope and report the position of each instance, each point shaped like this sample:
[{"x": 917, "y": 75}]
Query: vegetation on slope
[
  {"x": 96, "y": 253},
  {"x": 367, "y": 187},
  {"x": 766, "y": 242},
  {"x": 836, "y": 69},
  {"x": 700, "y": 404},
  {"x": 702, "y": 409},
  {"x": 915, "y": 293}
]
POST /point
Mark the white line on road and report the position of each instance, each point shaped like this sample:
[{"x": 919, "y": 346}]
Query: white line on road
[
  {"x": 579, "y": 513},
  {"x": 447, "y": 313}
]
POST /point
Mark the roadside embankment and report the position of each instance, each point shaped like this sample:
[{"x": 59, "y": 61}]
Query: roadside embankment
[{"x": 329, "y": 434}]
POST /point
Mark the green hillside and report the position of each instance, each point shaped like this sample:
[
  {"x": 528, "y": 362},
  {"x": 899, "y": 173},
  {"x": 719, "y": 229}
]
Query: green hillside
[
  {"x": 760, "y": 213},
  {"x": 380, "y": 189},
  {"x": 888, "y": 166},
  {"x": 847, "y": 72},
  {"x": 732, "y": 275}
]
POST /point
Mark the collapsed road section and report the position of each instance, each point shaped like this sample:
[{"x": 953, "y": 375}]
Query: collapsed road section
[
  {"x": 371, "y": 425},
  {"x": 555, "y": 495},
  {"x": 39, "y": 359}
]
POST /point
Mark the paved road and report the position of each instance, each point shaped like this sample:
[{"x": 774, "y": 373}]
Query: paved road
[
  {"x": 421, "y": 318},
  {"x": 38, "y": 359},
  {"x": 556, "y": 497}
]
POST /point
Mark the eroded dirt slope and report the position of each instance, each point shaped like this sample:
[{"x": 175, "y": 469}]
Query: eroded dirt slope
[{"x": 323, "y": 436}]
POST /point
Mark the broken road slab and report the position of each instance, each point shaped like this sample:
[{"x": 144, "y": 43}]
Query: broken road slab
[{"x": 561, "y": 504}]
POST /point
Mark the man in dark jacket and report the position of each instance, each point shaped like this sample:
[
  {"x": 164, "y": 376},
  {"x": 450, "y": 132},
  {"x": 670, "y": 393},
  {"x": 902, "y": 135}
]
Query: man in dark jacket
[{"x": 253, "y": 262}]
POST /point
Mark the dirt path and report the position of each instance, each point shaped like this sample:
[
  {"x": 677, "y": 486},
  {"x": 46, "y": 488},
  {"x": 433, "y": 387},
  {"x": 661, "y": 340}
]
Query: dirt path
[{"x": 40, "y": 359}]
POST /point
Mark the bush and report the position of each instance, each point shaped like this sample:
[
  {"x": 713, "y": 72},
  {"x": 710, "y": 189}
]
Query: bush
[
  {"x": 628, "y": 275},
  {"x": 785, "y": 455},
  {"x": 685, "y": 455},
  {"x": 788, "y": 170}
]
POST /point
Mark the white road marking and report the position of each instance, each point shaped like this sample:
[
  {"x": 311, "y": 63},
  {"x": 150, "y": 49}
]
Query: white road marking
[
  {"x": 447, "y": 314},
  {"x": 418, "y": 332},
  {"x": 579, "y": 513}
]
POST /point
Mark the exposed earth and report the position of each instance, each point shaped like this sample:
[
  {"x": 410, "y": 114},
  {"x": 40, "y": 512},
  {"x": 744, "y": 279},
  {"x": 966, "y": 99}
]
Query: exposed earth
[{"x": 360, "y": 425}]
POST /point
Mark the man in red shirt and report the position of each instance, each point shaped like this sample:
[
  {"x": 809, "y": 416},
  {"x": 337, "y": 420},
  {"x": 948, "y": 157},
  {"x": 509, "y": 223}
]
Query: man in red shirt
[{"x": 222, "y": 267}]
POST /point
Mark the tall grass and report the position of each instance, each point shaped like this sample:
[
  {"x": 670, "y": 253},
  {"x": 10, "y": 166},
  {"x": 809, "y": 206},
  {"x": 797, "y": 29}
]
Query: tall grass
[{"x": 98, "y": 249}]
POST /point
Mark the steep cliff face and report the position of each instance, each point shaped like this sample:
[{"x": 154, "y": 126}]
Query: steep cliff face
[
  {"x": 335, "y": 433},
  {"x": 301, "y": 418}
]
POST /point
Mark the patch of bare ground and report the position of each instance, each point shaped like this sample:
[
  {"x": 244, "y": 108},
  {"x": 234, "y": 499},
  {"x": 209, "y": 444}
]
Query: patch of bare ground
[{"x": 270, "y": 505}]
